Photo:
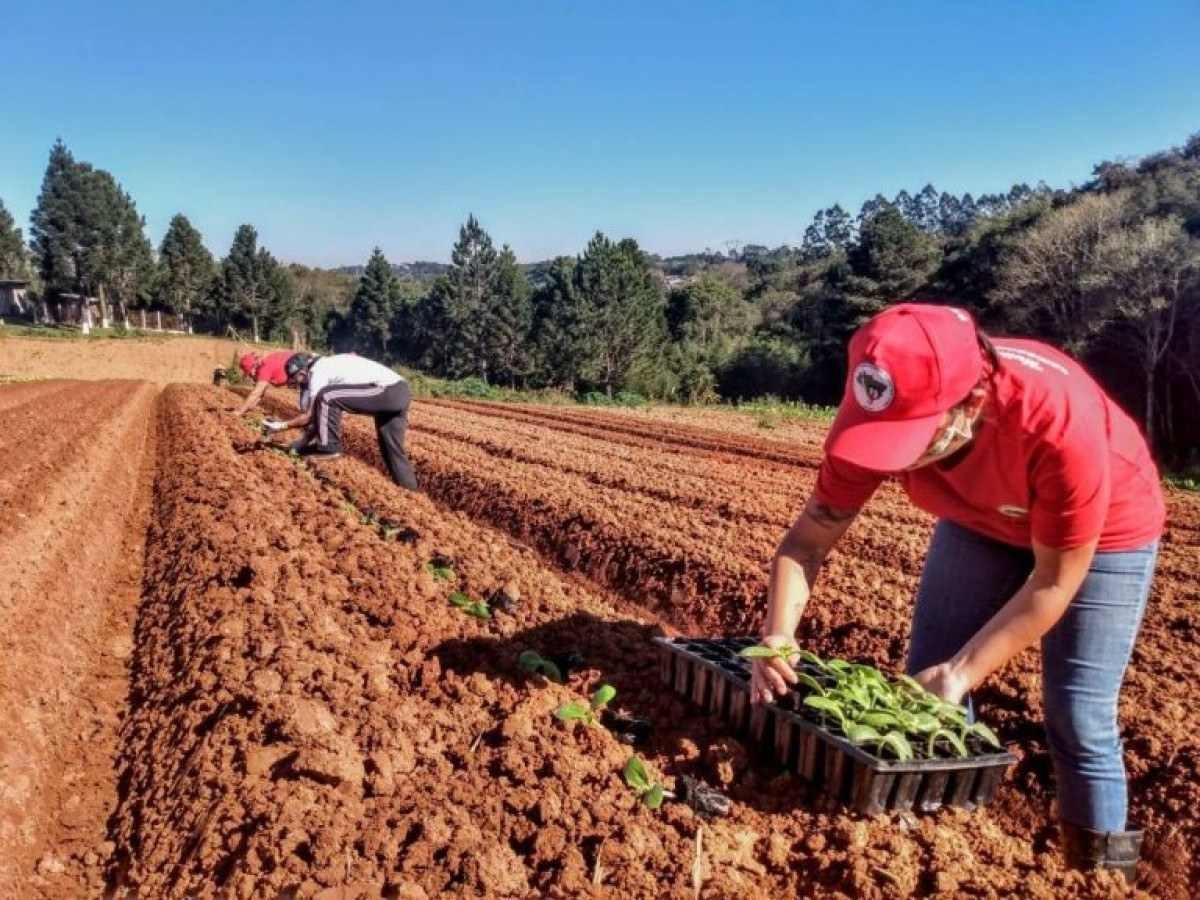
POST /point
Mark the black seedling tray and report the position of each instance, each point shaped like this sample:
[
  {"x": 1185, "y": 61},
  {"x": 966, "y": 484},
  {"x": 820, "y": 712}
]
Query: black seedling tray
[{"x": 709, "y": 672}]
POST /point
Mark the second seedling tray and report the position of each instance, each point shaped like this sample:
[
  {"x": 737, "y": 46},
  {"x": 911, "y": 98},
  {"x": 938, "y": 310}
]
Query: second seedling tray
[{"x": 709, "y": 672}]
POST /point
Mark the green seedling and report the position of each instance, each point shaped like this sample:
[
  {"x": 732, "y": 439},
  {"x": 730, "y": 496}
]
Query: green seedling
[
  {"x": 870, "y": 709},
  {"x": 762, "y": 651},
  {"x": 535, "y": 664},
  {"x": 440, "y": 571},
  {"x": 650, "y": 792},
  {"x": 578, "y": 711},
  {"x": 477, "y": 608}
]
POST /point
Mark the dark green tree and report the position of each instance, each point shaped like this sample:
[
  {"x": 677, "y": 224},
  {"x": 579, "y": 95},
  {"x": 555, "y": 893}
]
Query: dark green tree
[
  {"x": 831, "y": 229},
  {"x": 87, "y": 236},
  {"x": 124, "y": 259},
  {"x": 185, "y": 269},
  {"x": 374, "y": 307},
  {"x": 466, "y": 296},
  {"x": 894, "y": 255},
  {"x": 242, "y": 289},
  {"x": 58, "y": 224},
  {"x": 13, "y": 261},
  {"x": 621, "y": 309},
  {"x": 557, "y": 328},
  {"x": 510, "y": 315}
]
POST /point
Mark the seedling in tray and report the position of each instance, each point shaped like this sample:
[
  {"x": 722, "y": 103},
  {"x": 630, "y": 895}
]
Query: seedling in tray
[
  {"x": 578, "y": 711},
  {"x": 895, "y": 716},
  {"x": 477, "y": 608},
  {"x": 650, "y": 792}
]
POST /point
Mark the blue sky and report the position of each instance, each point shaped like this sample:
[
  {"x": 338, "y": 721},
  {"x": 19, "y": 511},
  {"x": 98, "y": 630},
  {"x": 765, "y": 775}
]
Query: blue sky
[{"x": 333, "y": 127}]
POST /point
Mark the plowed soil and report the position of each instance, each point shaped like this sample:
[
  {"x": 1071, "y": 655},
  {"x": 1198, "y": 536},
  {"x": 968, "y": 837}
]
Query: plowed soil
[{"x": 222, "y": 678}]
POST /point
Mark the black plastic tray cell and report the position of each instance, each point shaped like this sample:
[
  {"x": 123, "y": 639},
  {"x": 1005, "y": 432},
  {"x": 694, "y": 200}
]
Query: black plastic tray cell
[
  {"x": 711, "y": 674},
  {"x": 666, "y": 666},
  {"x": 932, "y": 794}
]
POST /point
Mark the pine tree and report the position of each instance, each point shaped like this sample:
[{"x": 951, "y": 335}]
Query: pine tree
[
  {"x": 468, "y": 298},
  {"x": 86, "y": 234},
  {"x": 374, "y": 307},
  {"x": 510, "y": 318},
  {"x": 13, "y": 262},
  {"x": 125, "y": 259},
  {"x": 621, "y": 306},
  {"x": 556, "y": 329},
  {"x": 185, "y": 269},
  {"x": 241, "y": 295},
  {"x": 57, "y": 223}
]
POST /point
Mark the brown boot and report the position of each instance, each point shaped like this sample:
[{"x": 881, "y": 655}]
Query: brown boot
[{"x": 1084, "y": 848}]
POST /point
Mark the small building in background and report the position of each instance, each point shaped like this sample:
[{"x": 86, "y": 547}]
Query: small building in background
[{"x": 13, "y": 299}]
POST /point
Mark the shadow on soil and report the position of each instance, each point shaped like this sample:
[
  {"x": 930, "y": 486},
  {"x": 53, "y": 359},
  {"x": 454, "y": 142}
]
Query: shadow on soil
[{"x": 683, "y": 739}]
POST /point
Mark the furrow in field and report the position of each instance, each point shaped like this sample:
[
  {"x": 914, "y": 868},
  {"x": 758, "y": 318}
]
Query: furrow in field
[
  {"x": 22, "y": 396},
  {"x": 69, "y": 579},
  {"x": 691, "y": 441},
  {"x": 49, "y": 440}
]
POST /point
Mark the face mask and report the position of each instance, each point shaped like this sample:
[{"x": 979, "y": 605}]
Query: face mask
[{"x": 961, "y": 427}]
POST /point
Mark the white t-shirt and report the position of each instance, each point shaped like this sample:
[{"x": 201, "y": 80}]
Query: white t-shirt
[{"x": 345, "y": 368}]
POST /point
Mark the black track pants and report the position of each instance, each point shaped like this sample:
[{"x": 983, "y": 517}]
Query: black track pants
[{"x": 389, "y": 406}]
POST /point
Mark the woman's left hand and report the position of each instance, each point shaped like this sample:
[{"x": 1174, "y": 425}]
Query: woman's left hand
[{"x": 945, "y": 680}]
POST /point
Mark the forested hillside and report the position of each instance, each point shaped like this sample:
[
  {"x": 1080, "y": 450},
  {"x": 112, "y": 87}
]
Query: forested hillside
[{"x": 1109, "y": 270}]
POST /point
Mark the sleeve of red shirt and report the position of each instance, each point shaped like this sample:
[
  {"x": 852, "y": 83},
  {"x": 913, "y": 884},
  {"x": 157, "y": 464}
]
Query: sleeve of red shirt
[
  {"x": 1071, "y": 485},
  {"x": 843, "y": 485}
]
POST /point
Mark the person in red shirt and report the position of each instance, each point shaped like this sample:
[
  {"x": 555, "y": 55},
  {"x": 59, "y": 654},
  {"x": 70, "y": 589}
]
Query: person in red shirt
[
  {"x": 1049, "y": 513},
  {"x": 266, "y": 371}
]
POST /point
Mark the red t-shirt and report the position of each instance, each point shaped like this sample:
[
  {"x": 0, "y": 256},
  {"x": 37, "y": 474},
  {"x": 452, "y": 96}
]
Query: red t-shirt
[
  {"x": 1053, "y": 460},
  {"x": 272, "y": 368}
]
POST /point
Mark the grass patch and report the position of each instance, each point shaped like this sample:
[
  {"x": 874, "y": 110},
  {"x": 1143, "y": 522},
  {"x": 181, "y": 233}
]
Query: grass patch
[
  {"x": 423, "y": 385},
  {"x": 771, "y": 412},
  {"x": 72, "y": 333},
  {"x": 1185, "y": 482}
]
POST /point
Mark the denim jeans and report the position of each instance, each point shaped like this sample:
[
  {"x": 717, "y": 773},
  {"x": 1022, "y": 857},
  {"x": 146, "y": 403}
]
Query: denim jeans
[{"x": 968, "y": 577}]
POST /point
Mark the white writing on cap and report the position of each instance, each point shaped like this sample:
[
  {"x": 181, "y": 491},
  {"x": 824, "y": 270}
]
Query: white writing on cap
[{"x": 873, "y": 388}]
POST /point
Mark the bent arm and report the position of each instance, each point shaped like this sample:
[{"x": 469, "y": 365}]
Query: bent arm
[
  {"x": 793, "y": 573},
  {"x": 253, "y": 398},
  {"x": 301, "y": 420},
  {"x": 1033, "y": 610},
  {"x": 798, "y": 561}
]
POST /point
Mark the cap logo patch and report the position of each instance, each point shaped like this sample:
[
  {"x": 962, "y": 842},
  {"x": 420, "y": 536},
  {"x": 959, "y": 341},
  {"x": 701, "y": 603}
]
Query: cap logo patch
[{"x": 873, "y": 388}]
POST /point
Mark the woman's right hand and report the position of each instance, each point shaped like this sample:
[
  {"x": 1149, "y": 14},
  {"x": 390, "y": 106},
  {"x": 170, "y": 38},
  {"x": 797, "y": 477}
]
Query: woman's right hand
[{"x": 770, "y": 678}]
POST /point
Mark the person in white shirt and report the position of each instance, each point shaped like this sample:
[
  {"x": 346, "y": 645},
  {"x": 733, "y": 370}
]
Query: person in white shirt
[{"x": 345, "y": 382}]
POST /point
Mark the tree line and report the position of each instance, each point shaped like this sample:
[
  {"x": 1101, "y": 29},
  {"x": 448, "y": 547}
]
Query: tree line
[{"x": 1109, "y": 270}]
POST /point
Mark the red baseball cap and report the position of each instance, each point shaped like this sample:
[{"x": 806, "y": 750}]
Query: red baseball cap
[
  {"x": 907, "y": 366},
  {"x": 248, "y": 363}
]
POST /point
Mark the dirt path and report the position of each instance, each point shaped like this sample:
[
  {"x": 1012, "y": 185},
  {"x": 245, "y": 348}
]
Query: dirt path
[
  {"x": 70, "y": 572},
  {"x": 161, "y": 359}
]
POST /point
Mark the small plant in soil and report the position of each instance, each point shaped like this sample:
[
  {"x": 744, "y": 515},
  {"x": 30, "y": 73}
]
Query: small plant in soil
[
  {"x": 477, "y": 608},
  {"x": 578, "y": 711},
  {"x": 893, "y": 716},
  {"x": 650, "y": 792},
  {"x": 439, "y": 569},
  {"x": 535, "y": 664}
]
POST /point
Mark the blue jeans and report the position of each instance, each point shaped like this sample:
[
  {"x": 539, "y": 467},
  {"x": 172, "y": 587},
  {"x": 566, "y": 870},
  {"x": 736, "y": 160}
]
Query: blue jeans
[{"x": 968, "y": 577}]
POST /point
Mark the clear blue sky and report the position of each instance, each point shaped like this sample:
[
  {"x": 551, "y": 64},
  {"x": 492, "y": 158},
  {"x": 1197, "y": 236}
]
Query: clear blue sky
[{"x": 336, "y": 126}]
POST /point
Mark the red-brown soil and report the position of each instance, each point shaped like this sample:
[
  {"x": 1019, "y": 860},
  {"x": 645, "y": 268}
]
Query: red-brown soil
[
  {"x": 74, "y": 497},
  {"x": 553, "y": 490},
  {"x": 304, "y": 714}
]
